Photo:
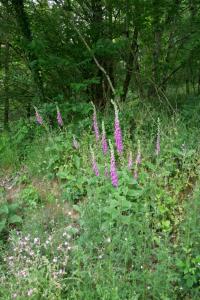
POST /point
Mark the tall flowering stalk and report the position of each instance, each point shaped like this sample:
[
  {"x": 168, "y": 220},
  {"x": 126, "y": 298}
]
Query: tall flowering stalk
[
  {"x": 38, "y": 116},
  {"x": 137, "y": 161},
  {"x": 75, "y": 142},
  {"x": 106, "y": 171},
  {"x": 103, "y": 139},
  {"x": 94, "y": 163},
  {"x": 95, "y": 124},
  {"x": 118, "y": 133},
  {"x": 59, "y": 118},
  {"x": 138, "y": 157},
  {"x": 158, "y": 138},
  {"x": 130, "y": 160},
  {"x": 113, "y": 170}
]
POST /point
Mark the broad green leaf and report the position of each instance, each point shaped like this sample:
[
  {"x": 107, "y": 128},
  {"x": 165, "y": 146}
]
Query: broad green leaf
[
  {"x": 13, "y": 207},
  {"x": 2, "y": 225},
  {"x": 4, "y": 209},
  {"x": 15, "y": 219}
]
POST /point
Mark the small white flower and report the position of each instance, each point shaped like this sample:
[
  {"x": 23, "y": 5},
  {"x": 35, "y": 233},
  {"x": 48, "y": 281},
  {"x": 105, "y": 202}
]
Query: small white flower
[
  {"x": 36, "y": 241},
  {"x": 30, "y": 292},
  {"x": 55, "y": 260},
  {"x": 59, "y": 247}
]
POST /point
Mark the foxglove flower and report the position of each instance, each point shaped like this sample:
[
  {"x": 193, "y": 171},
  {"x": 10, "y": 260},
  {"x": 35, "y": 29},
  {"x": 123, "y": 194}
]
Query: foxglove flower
[
  {"x": 106, "y": 171},
  {"x": 113, "y": 171},
  {"x": 118, "y": 133},
  {"x": 38, "y": 117},
  {"x": 138, "y": 157},
  {"x": 95, "y": 124},
  {"x": 136, "y": 174},
  {"x": 137, "y": 161},
  {"x": 158, "y": 139},
  {"x": 59, "y": 118},
  {"x": 75, "y": 142},
  {"x": 130, "y": 160},
  {"x": 103, "y": 140},
  {"x": 94, "y": 163}
]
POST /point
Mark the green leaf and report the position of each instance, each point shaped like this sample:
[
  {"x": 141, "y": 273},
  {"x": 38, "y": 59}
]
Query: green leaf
[
  {"x": 2, "y": 225},
  {"x": 135, "y": 193},
  {"x": 126, "y": 220},
  {"x": 13, "y": 207},
  {"x": 4, "y": 209},
  {"x": 15, "y": 219}
]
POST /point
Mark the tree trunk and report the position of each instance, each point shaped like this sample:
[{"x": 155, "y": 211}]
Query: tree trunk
[
  {"x": 130, "y": 64},
  {"x": 6, "y": 88},
  {"x": 24, "y": 25},
  {"x": 96, "y": 34}
]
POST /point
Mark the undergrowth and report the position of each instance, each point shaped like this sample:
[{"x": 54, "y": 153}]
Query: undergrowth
[{"x": 134, "y": 236}]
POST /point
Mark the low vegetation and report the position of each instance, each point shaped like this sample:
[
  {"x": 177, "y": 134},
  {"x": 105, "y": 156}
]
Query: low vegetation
[{"x": 108, "y": 214}]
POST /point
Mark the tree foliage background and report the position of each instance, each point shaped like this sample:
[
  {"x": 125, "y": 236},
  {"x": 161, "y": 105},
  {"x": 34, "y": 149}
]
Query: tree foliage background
[{"x": 72, "y": 51}]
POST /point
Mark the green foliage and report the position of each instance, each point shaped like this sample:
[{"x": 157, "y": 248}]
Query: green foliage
[
  {"x": 188, "y": 260},
  {"x": 29, "y": 197},
  {"x": 137, "y": 241},
  {"x": 9, "y": 218}
]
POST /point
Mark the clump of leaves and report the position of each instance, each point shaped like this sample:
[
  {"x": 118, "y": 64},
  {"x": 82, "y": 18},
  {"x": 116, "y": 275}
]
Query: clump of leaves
[{"x": 9, "y": 218}]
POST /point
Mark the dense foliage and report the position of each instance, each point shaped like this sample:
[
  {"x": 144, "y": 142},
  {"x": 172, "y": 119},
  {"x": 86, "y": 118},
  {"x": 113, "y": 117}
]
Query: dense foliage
[
  {"x": 69, "y": 52},
  {"x": 99, "y": 149},
  {"x": 106, "y": 214}
]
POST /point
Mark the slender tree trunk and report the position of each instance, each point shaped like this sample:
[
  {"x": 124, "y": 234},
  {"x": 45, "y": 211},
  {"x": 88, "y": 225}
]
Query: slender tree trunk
[
  {"x": 24, "y": 25},
  {"x": 198, "y": 87},
  {"x": 96, "y": 34},
  {"x": 110, "y": 61},
  {"x": 130, "y": 65},
  {"x": 187, "y": 86},
  {"x": 6, "y": 88}
]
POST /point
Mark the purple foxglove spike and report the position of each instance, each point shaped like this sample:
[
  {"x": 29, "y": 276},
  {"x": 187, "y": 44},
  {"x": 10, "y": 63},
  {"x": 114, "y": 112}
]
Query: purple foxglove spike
[
  {"x": 75, "y": 142},
  {"x": 94, "y": 164},
  {"x": 38, "y": 117},
  {"x": 158, "y": 145},
  {"x": 138, "y": 157},
  {"x": 158, "y": 139},
  {"x": 103, "y": 140},
  {"x": 118, "y": 137},
  {"x": 106, "y": 171},
  {"x": 113, "y": 171},
  {"x": 130, "y": 160},
  {"x": 95, "y": 124},
  {"x": 136, "y": 174},
  {"x": 59, "y": 118},
  {"x": 118, "y": 132}
]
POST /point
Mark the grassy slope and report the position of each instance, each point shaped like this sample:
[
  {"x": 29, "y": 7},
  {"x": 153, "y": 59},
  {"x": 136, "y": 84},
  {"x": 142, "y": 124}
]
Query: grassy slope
[{"x": 139, "y": 241}]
